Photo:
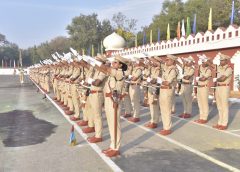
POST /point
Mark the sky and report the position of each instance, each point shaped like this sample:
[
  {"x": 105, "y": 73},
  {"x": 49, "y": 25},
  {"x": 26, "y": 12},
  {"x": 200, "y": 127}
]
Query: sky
[{"x": 31, "y": 22}]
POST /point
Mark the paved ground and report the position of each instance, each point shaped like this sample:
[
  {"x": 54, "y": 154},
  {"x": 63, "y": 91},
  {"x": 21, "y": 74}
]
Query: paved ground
[{"x": 34, "y": 137}]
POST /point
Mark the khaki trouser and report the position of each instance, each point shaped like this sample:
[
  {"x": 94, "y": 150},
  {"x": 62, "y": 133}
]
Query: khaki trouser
[
  {"x": 110, "y": 120},
  {"x": 96, "y": 100},
  {"x": 46, "y": 84},
  {"x": 58, "y": 90},
  {"x": 186, "y": 94},
  {"x": 127, "y": 104},
  {"x": 173, "y": 100},
  {"x": 222, "y": 95},
  {"x": 134, "y": 93},
  {"x": 154, "y": 108},
  {"x": 202, "y": 97},
  {"x": 165, "y": 102},
  {"x": 87, "y": 111},
  {"x": 75, "y": 101}
]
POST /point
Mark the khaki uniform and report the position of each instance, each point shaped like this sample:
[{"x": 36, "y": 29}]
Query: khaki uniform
[
  {"x": 222, "y": 94},
  {"x": 203, "y": 92},
  {"x": 87, "y": 108},
  {"x": 96, "y": 98},
  {"x": 74, "y": 93},
  {"x": 114, "y": 82},
  {"x": 134, "y": 91},
  {"x": 146, "y": 74},
  {"x": 153, "y": 99},
  {"x": 127, "y": 100},
  {"x": 186, "y": 90},
  {"x": 166, "y": 95}
]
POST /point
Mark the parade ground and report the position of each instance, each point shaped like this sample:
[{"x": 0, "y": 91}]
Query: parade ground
[{"x": 35, "y": 135}]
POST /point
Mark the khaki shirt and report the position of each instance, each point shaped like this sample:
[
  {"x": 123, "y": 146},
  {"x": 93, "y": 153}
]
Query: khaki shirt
[
  {"x": 204, "y": 72},
  {"x": 188, "y": 71},
  {"x": 225, "y": 70},
  {"x": 137, "y": 73},
  {"x": 115, "y": 81},
  {"x": 99, "y": 76},
  {"x": 76, "y": 73},
  {"x": 170, "y": 74}
]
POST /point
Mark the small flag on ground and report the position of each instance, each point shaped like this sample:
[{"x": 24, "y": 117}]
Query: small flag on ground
[{"x": 73, "y": 140}]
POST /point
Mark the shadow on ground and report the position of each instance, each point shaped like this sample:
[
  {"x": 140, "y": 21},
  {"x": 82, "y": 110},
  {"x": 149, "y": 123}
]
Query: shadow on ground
[{"x": 21, "y": 128}]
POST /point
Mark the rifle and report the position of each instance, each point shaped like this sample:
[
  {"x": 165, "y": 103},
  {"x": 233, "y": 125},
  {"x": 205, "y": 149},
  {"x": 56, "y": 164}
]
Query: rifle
[
  {"x": 214, "y": 87},
  {"x": 196, "y": 84},
  {"x": 180, "y": 82}
]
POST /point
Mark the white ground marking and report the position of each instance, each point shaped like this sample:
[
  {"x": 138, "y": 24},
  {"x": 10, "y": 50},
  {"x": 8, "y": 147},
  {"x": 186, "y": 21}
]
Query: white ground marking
[
  {"x": 106, "y": 159},
  {"x": 203, "y": 155}
]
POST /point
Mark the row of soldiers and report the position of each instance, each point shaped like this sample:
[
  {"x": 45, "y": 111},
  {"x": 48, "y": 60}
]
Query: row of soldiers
[{"x": 83, "y": 87}]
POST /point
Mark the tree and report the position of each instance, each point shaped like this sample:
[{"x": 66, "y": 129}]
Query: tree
[
  {"x": 84, "y": 31},
  {"x": 125, "y": 27},
  {"x": 176, "y": 10}
]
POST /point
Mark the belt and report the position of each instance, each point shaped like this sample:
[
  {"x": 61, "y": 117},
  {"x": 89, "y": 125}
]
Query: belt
[
  {"x": 134, "y": 84},
  {"x": 187, "y": 83},
  {"x": 95, "y": 91},
  {"x": 202, "y": 85},
  {"x": 166, "y": 87},
  {"x": 223, "y": 84},
  {"x": 110, "y": 95}
]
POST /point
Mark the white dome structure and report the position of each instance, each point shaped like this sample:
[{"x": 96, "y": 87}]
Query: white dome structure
[{"x": 113, "y": 42}]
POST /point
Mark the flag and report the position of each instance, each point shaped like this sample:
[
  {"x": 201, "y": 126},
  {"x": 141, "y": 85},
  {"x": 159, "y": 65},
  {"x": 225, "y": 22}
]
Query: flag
[
  {"x": 232, "y": 15},
  {"x": 72, "y": 140},
  {"x": 14, "y": 64},
  {"x": 150, "y": 36},
  {"x": 210, "y": 20},
  {"x": 168, "y": 32},
  {"x": 92, "y": 50},
  {"x": 89, "y": 51},
  {"x": 188, "y": 27},
  {"x": 194, "y": 29},
  {"x": 158, "y": 35},
  {"x": 136, "y": 43},
  {"x": 178, "y": 31},
  {"x": 183, "y": 29},
  {"x": 144, "y": 37}
]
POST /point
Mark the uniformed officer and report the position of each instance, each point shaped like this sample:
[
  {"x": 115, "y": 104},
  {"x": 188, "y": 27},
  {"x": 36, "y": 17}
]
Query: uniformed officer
[
  {"x": 134, "y": 90},
  {"x": 96, "y": 98},
  {"x": 126, "y": 99},
  {"x": 224, "y": 76},
  {"x": 74, "y": 93},
  {"x": 153, "y": 94},
  {"x": 113, "y": 97},
  {"x": 169, "y": 75},
  {"x": 186, "y": 86},
  {"x": 205, "y": 74}
]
